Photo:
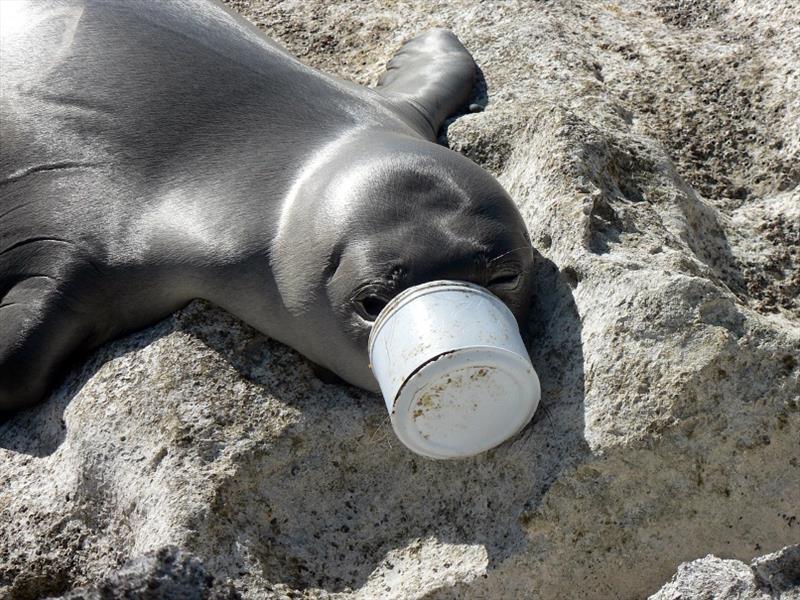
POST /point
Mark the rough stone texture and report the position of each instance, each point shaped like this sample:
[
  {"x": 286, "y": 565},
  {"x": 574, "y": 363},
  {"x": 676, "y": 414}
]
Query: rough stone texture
[
  {"x": 779, "y": 571},
  {"x": 168, "y": 574},
  {"x": 772, "y": 577},
  {"x": 653, "y": 150}
]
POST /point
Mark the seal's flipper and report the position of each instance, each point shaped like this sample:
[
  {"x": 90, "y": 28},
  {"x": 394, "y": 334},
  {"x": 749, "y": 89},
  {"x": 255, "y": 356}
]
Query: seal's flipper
[
  {"x": 433, "y": 74},
  {"x": 46, "y": 315},
  {"x": 36, "y": 336}
]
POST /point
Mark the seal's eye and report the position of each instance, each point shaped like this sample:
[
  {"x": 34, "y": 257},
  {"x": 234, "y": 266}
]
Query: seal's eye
[
  {"x": 506, "y": 280},
  {"x": 369, "y": 307}
]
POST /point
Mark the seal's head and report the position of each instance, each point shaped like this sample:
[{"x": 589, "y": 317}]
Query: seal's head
[{"x": 390, "y": 213}]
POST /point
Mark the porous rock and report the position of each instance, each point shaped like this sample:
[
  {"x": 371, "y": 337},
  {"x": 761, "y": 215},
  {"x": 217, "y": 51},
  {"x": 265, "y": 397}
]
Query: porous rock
[
  {"x": 166, "y": 574},
  {"x": 653, "y": 150},
  {"x": 775, "y": 576}
]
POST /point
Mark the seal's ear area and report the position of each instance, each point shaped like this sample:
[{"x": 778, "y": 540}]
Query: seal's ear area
[{"x": 433, "y": 75}]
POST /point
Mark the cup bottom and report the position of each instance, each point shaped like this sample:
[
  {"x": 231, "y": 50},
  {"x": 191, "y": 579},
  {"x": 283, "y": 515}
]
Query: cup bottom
[{"x": 465, "y": 402}]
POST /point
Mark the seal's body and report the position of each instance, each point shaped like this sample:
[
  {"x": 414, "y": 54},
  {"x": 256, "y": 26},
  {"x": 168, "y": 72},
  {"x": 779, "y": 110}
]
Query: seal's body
[{"x": 156, "y": 152}]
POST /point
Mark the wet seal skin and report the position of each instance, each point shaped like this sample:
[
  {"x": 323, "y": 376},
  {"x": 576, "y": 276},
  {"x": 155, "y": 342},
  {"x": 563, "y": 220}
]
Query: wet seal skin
[{"x": 157, "y": 152}]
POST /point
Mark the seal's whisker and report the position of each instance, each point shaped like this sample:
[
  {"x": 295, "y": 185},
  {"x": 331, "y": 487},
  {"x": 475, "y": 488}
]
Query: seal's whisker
[{"x": 496, "y": 258}]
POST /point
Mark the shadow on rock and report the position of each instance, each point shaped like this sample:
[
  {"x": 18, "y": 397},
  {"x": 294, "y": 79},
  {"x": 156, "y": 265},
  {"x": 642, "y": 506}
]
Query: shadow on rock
[{"x": 166, "y": 574}]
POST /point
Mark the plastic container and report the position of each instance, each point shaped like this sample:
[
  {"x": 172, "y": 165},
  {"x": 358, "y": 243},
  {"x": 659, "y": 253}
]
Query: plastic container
[{"x": 453, "y": 369}]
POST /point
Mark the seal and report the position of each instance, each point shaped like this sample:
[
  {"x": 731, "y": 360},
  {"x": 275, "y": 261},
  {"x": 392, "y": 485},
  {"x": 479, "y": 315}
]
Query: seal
[{"x": 157, "y": 152}]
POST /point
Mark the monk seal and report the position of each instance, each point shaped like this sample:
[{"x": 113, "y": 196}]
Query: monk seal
[{"x": 156, "y": 152}]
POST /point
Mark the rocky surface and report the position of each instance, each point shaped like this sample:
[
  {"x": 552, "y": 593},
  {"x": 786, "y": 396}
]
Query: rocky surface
[
  {"x": 653, "y": 150},
  {"x": 772, "y": 577},
  {"x": 166, "y": 574}
]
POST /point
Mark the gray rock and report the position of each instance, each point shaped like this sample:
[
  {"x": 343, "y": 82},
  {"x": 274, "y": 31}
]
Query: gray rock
[
  {"x": 653, "y": 151},
  {"x": 168, "y": 574},
  {"x": 772, "y": 577},
  {"x": 779, "y": 572},
  {"x": 712, "y": 578}
]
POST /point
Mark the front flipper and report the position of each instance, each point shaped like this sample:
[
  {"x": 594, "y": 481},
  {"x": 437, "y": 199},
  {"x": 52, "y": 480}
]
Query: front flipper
[
  {"x": 39, "y": 331},
  {"x": 429, "y": 79}
]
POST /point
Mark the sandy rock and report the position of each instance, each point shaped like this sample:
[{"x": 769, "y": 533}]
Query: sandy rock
[{"x": 653, "y": 150}]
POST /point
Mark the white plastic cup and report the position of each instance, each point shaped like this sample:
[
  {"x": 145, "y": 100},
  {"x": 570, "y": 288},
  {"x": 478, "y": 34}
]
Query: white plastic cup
[{"x": 453, "y": 369}]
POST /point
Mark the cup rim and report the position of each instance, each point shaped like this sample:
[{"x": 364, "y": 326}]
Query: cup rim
[{"x": 421, "y": 290}]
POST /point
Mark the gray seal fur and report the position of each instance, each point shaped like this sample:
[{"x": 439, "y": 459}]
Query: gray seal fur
[{"x": 156, "y": 152}]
